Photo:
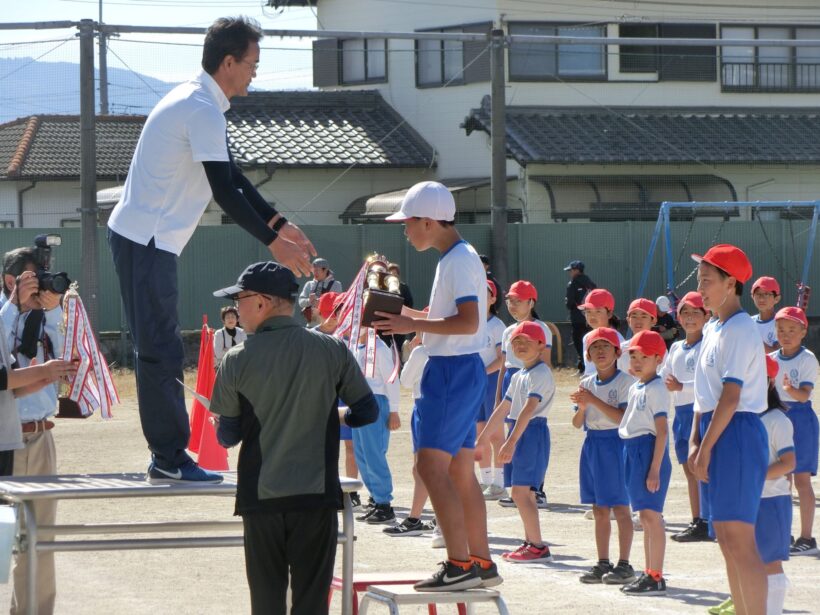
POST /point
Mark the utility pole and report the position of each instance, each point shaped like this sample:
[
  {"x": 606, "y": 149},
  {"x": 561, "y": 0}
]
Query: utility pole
[
  {"x": 89, "y": 279},
  {"x": 103, "y": 39},
  {"x": 498, "y": 176}
]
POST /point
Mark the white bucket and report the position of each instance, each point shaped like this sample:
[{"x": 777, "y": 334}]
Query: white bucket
[{"x": 8, "y": 534}]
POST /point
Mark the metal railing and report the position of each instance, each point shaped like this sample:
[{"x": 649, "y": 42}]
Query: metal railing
[{"x": 770, "y": 77}]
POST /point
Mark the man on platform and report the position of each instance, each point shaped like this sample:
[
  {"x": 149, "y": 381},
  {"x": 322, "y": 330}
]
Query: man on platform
[
  {"x": 180, "y": 162},
  {"x": 278, "y": 393}
]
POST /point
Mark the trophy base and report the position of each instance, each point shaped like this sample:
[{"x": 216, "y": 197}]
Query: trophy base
[
  {"x": 69, "y": 409},
  {"x": 380, "y": 301}
]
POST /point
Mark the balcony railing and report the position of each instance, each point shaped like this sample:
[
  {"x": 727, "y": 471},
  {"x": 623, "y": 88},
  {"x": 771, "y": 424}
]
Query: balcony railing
[{"x": 770, "y": 77}]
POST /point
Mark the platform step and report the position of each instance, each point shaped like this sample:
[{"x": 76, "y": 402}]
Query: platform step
[{"x": 405, "y": 594}]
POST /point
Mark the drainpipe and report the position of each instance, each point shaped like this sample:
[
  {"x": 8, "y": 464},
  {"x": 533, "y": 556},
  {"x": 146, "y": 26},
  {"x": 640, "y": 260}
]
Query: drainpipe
[{"x": 20, "y": 203}]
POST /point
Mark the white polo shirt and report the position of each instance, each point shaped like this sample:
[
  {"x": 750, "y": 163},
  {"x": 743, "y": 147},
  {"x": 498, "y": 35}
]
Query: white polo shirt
[
  {"x": 536, "y": 382},
  {"x": 680, "y": 362},
  {"x": 767, "y": 330},
  {"x": 780, "y": 431},
  {"x": 646, "y": 402},
  {"x": 413, "y": 369},
  {"x": 510, "y": 360},
  {"x": 494, "y": 331},
  {"x": 166, "y": 191},
  {"x": 589, "y": 366},
  {"x": 731, "y": 352},
  {"x": 801, "y": 368},
  {"x": 614, "y": 392},
  {"x": 460, "y": 277}
]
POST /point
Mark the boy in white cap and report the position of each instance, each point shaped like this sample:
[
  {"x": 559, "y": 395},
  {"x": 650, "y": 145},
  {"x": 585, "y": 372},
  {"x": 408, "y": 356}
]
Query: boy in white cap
[{"x": 452, "y": 386}]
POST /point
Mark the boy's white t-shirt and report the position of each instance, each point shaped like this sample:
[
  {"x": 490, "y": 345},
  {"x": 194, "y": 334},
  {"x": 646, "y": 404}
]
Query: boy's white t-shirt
[
  {"x": 589, "y": 366},
  {"x": 800, "y": 368},
  {"x": 536, "y": 382},
  {"x": 767, "y": 330},
  {"x": 646, "y": 401},
  {"x": 494, "y": 331},
  {"x": 780, "y": 432},
  {"x": 510, "y": 360},
  {"x": 731, "y": 352},
  {"x": 614, "y": 392},
  {"x": 680, "y": 362},
  {"x": 460, "y": 277},
  {"x": 413, "y": 369},
  {"x": 383, "y": 370}
]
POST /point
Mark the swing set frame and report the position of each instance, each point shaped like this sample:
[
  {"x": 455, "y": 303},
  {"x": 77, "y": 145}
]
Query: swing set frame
[{"x": 663, "y": 227}]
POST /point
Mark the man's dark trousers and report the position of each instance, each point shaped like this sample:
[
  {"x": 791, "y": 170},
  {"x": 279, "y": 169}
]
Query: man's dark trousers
[
  {"x": 300, "y": 544},
  {"x": 148, "y": 283},
  {"x": 579, "y": 329}
]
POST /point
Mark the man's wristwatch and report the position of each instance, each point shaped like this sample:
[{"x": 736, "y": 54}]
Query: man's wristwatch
[{"x": 282, "y": 221}]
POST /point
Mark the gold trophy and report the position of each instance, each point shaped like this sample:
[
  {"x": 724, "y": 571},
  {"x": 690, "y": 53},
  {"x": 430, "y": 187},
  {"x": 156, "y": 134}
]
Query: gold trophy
[{"x": 381, "y": 292}]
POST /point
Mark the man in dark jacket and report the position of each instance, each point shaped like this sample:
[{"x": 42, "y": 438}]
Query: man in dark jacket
[
  {"x": 577, "y": 288},
  {"x": 278, "y": 393}
]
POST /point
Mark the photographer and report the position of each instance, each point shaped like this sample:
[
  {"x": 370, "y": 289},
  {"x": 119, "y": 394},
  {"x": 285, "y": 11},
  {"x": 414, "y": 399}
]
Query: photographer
[{"x": 32, "y": 320}]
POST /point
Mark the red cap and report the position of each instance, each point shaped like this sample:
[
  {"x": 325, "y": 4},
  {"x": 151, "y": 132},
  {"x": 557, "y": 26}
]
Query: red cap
[
  {"x": 491, "y": 287},
  {"x": 531, "y": 330},
  {"x": 598, "y": 298},
  {"x": 523, "y": 290},
  {"x": 339, "y": 300},
  {"x": 326, "y": 304},
  {"x": 643, "y": 305},
  {"x": 648, "y": 342},
  {"x": 795, "y": 314},
  {"x": 692, "y": 299},
  {"x": 606, "y": 334},
  {"x": 728, "y": 258},
  {"x": 766, "y": 284},
  {"x": 771, "y": 367}
]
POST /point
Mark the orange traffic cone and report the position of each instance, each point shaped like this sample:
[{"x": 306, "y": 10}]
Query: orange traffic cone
[
  {"x": 199, "y": 414},
  {"x": 212, "y": 456}
]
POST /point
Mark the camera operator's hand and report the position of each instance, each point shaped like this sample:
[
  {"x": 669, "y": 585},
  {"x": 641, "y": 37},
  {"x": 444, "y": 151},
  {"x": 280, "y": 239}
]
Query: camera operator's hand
[
  {"x": 49, "y": 300},
  {"x": 26, "y": 288}
]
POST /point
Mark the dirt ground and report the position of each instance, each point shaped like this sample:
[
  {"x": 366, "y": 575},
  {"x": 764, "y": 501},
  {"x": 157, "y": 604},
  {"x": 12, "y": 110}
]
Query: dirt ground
[{"x": 200, "y": 581}]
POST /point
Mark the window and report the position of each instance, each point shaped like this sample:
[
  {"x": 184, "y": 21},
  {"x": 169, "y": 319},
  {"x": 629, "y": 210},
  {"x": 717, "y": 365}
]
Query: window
[
  {"x": 544, "y": 61},
  {"x": 364, "y": 61},
  {"x": 6, "y": 224},
  {"x": 439, "y": 62},
  {"x": 670, "y": 62},
  {"x": 773, "y": 68}
]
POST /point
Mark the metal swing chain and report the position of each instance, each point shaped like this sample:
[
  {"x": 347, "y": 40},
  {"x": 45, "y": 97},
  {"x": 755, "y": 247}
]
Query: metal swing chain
[
  {"x": 714, "y": 239},
  {"x": 771, "y": 247}
]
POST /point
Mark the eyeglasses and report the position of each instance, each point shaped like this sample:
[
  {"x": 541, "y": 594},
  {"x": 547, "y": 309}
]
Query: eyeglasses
[
  {"x": 237, "y": 299},
  {"x": 253, "y": 65}
]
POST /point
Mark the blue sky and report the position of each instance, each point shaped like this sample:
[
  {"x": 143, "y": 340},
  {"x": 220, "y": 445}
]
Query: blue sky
[{"x": 285, "y": 63}]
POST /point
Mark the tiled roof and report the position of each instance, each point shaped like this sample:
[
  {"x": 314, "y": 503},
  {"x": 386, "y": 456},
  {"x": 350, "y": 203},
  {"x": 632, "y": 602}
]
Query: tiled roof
[
  {"x": 323, "y": 129},
  {"x": 617, "y": 135},
  {"x": 48, "y": 146}
]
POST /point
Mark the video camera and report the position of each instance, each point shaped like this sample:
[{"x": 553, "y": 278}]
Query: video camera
[{"x": 52, "y": 282}]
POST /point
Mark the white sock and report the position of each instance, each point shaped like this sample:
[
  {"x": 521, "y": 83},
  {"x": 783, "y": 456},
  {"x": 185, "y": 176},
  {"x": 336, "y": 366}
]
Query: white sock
[
  {"x": 498, "y": 477},
  {"x": 778, "y": 584},
  {"x": 486, "y": 476}
]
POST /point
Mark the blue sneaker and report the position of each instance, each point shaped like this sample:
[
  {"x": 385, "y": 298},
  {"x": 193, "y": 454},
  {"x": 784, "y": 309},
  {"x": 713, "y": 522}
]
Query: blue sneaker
[{"x": 189, "y": 471}]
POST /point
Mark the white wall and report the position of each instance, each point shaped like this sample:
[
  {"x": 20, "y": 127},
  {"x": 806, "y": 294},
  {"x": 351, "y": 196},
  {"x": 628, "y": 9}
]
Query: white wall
[{"x": 44, "y": 206}]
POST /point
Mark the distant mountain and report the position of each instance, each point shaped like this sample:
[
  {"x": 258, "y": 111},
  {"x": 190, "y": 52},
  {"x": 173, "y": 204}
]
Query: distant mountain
[{"x": 28, "y": 87}]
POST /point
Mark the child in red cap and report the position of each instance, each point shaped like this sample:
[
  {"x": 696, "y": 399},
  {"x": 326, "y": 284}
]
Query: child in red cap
[
  {"x": 766, "y": 296},
  {"x": 678, "y": 374},
  {"x": 599, "y": 310},
  {"x": 642, "y": 315},
  {"x": 644, "y": 430},
  {"x": 600, "y": 402},
  {"x": 795, "y": 384},
  {"x": 730, "y": 396},
  {"x": 527, "y": 448}
]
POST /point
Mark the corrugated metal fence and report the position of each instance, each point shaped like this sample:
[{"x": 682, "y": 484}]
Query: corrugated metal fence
[{"x": 613, "y": 252}]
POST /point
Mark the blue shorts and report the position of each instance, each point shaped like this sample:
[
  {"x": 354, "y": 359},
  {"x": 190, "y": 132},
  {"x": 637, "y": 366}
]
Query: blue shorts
[
  {"x": 531, "y": 457},
  {"x": 452, "y": 389},
  {"x": 638, "y": 453},
  {"x": 737, "y": 469},
  {"x": 345, "y": 432},
  {"x": 682, "y": 431},
  {"x": 505, "y": 384},
  {"x": 488, "y": 405},
  {"x": 773, "y": 528},
  {"x": 602, "y": 470},
  {"x": 806, "y": 436}
]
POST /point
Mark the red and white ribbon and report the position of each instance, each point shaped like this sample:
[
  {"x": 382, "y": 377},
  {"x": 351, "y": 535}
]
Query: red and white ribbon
[{"x": 92, "y": 387}]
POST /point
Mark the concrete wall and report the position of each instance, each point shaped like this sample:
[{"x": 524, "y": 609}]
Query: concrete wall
[{"x": 47, "y": 204}]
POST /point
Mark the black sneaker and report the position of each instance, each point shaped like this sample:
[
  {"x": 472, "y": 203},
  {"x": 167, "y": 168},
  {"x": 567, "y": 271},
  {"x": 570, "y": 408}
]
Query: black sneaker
[
  {"x": 595, "y": 574},
  {"x": 645, "y": 585},
  {"x": 621, "y": 574},
  {"x": 450, "y": 578},
  {"x": 381, "y": 513},
  {"x": 355, "y": 502},
  {"x": 507, "y": 503},
  {"x": 541, "y": 500},
  {"x": 804, "y": 546},
  {"x": 489, "y": 576},
  {"x": 367, "y": 510},
  {"x": 696, "y": 531},
  {"x": 407, "y": 527}
]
